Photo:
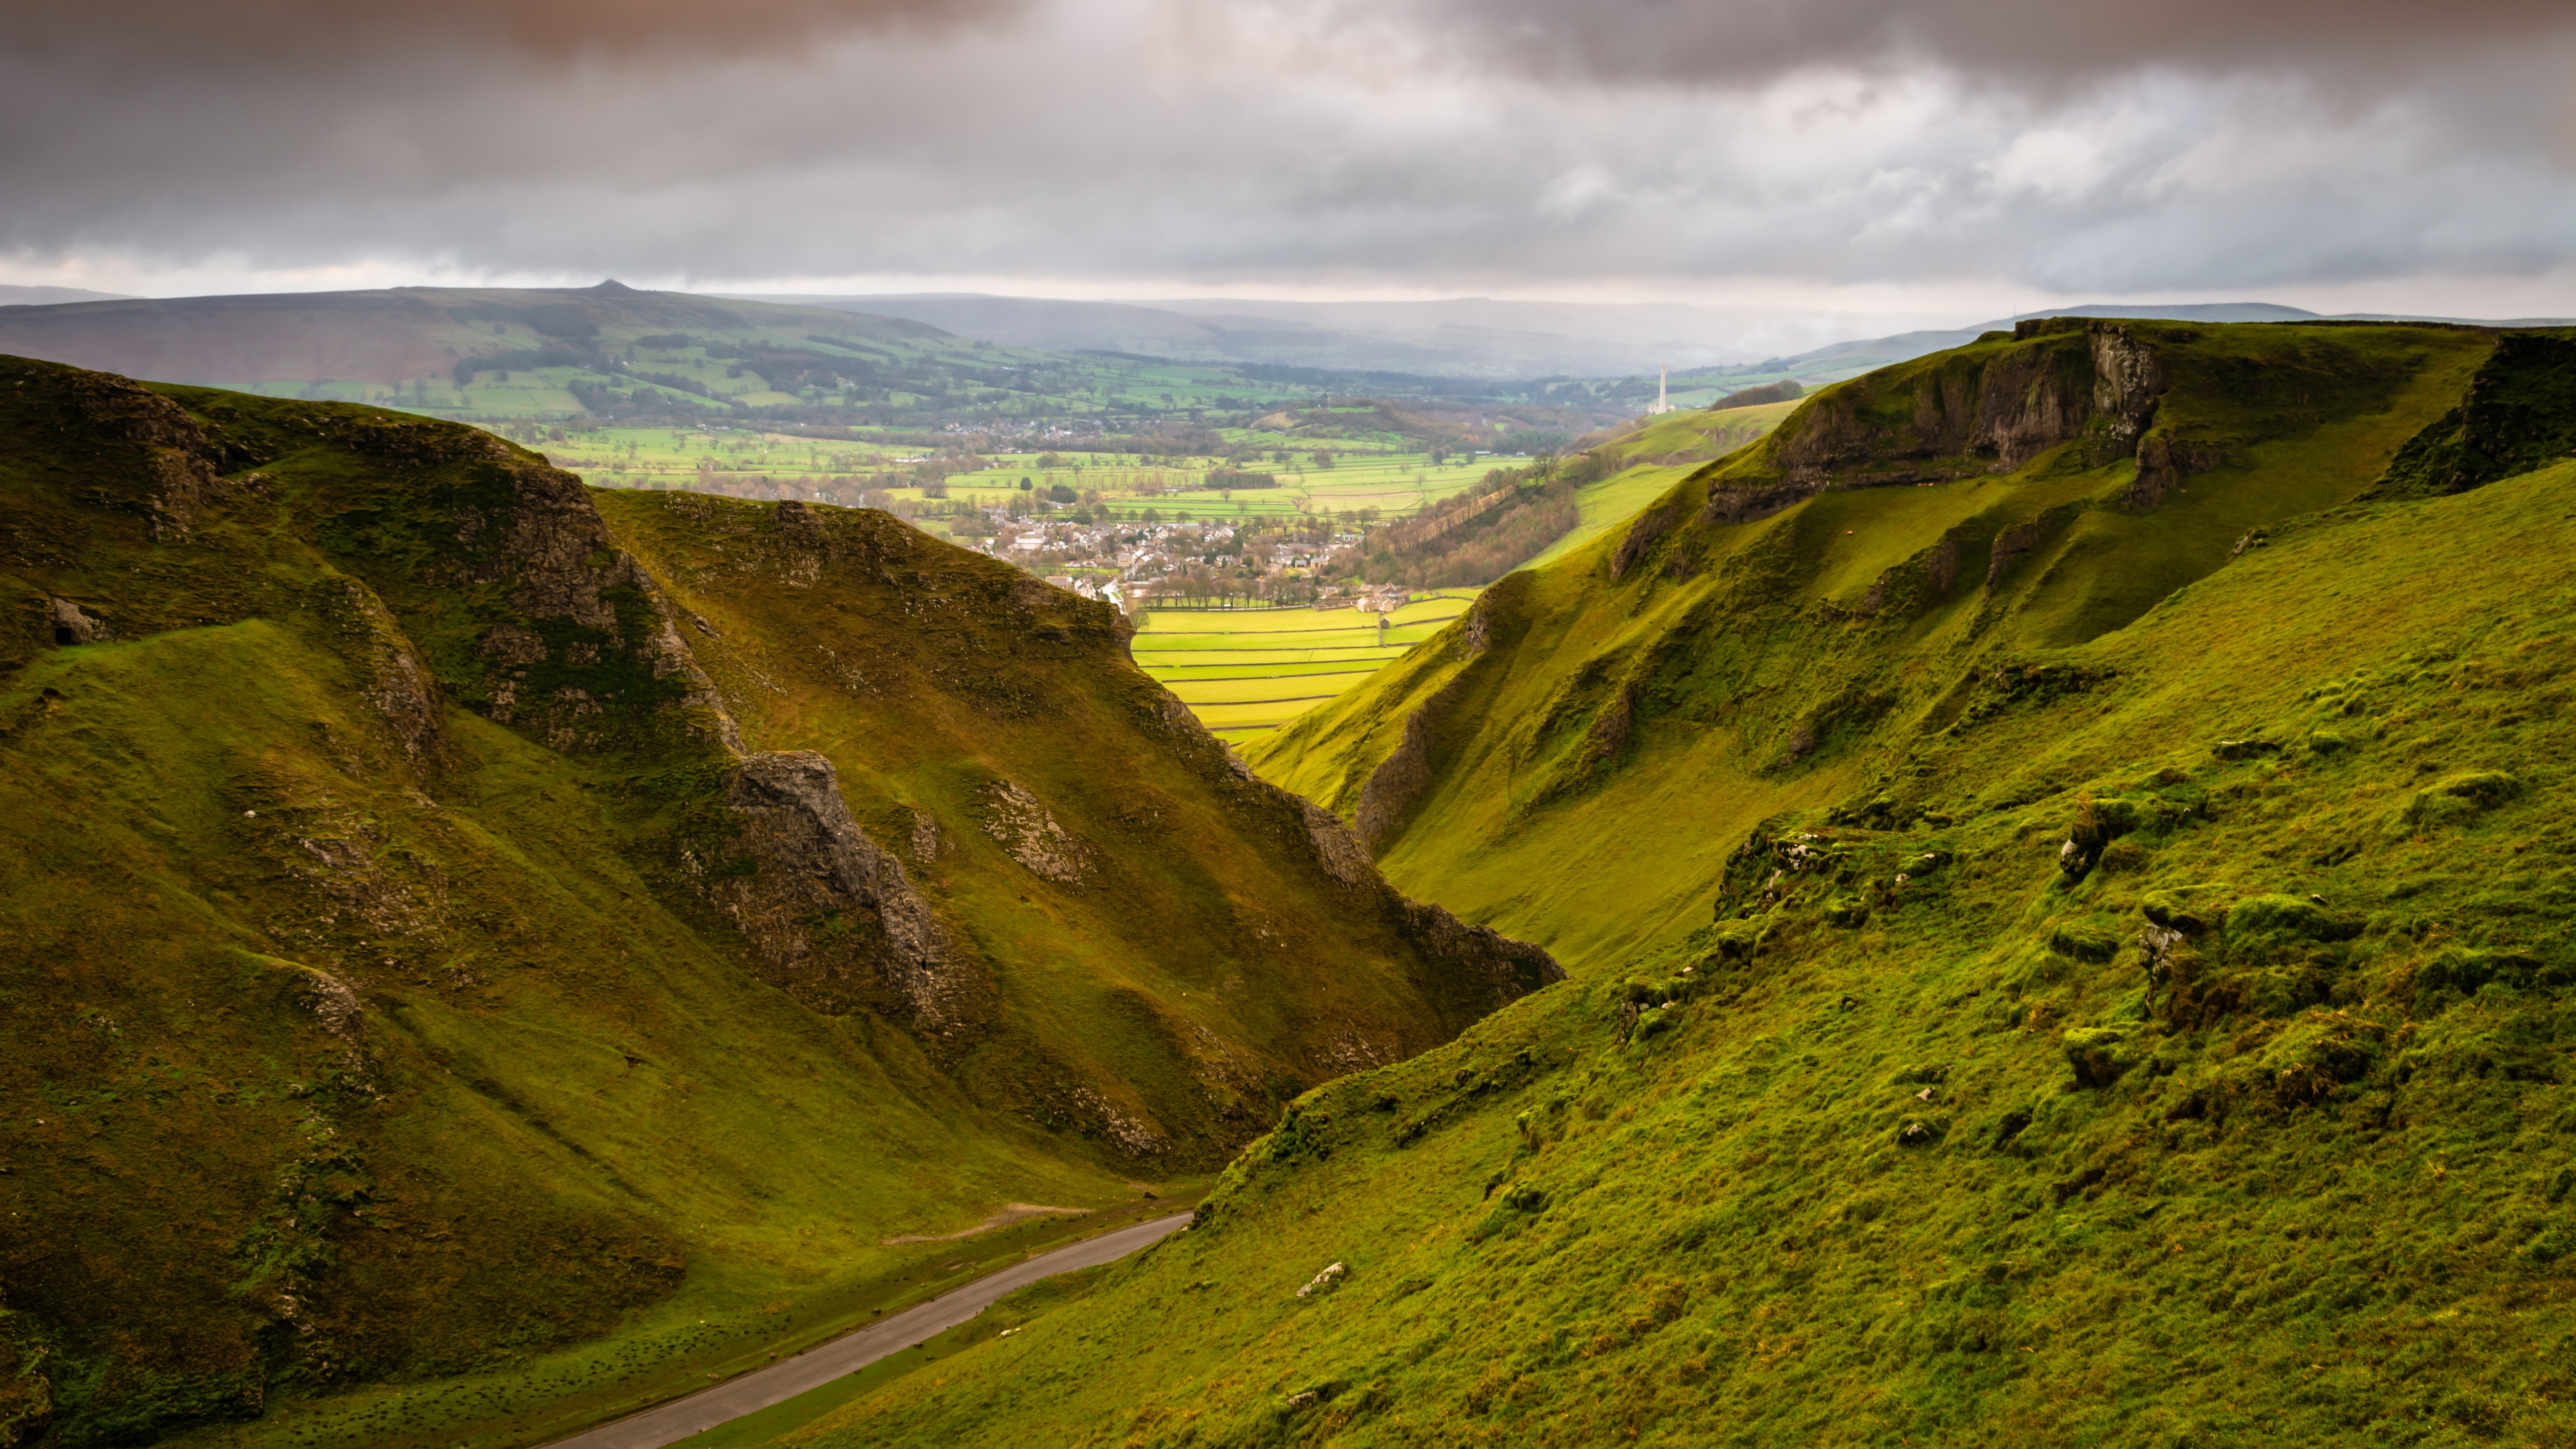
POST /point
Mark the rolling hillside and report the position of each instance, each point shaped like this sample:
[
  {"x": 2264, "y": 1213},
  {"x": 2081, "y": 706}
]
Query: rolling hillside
[
  {"x": 2064, "y": 857},
  {"x": 612, "y": 352},
  {"x": 482, "y": 952}
]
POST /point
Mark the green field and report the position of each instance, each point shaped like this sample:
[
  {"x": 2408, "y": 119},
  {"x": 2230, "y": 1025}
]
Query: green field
[
  {"x": 1245, "y": 672},
  {"x": 1384, "y": 478}
]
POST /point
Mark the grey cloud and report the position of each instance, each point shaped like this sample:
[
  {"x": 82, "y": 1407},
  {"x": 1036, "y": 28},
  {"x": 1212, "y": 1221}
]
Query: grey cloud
[
  {"x": 310, "y": 32},
  {"x": 1694, "y": 40},
  {"x": 1105, "y": 140}
]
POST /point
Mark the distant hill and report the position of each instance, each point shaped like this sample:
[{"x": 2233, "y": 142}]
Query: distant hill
[
  {"x": 1467, "y": 337},
  {"x": 612, "y": 352},
  {"x": 392, "y": 337},
  {"x": 1850, "y": 359},
  {"x": 44, "y": 296}
]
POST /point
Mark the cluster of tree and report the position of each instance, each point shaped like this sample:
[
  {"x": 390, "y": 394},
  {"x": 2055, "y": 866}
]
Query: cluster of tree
[
  {"x": 524, "y": 360},
  {"x": 1414, "y": 383},
  {"x": 1458, "y": 510},
  {"x": 1236, "y": 478},
  {"x": 642, "y": 404},
  {"x": 1785, "y": 390},
  {"x": 1473, "y": 538},
  {"x": 1500, "y": 542},
  {"x": 677, "y": 383}
]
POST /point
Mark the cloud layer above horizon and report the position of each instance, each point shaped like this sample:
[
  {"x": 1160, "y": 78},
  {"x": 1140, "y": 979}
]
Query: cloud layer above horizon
[{"x": 1460, "y": 145}]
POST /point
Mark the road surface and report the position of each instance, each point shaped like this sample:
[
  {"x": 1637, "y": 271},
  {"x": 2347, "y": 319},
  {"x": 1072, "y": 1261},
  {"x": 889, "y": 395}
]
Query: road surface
[{"x": 669, "y": 1423}]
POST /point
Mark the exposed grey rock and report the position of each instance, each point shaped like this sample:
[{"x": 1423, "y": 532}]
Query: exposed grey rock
[
  {"x": 332, "y": 1003},
  {"x": 2128, "y": 382},
  {"x": 2019, "y": 405},
  {"x": 1491, "y": 967},
  {"x": 670, "y": 656},
  {"x": 832, "y": 914},
  {"x": 1021, "y": 823},
  {"x": 71, "y": 626},
  {"x": 1323, "y": 1282},
  {"x": 557, "y": 555},
  {"x": 398, "y": 684},
  {"x": 1344, "y": 856}
]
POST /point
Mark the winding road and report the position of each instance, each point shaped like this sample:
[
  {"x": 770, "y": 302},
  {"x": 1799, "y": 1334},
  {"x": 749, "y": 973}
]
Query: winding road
[{"x": 669, "y": 1423}]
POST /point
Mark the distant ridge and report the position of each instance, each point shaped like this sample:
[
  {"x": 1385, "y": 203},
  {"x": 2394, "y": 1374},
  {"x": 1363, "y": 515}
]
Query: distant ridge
[
  {"x": 1468, "y": 337},
  {"x": 1844, "y": 359},
  {"x": 11, "y": 296}
]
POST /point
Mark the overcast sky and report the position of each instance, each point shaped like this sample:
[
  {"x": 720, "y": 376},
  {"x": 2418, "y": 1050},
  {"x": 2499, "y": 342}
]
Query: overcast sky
[{"x": 1934, "y": 162}]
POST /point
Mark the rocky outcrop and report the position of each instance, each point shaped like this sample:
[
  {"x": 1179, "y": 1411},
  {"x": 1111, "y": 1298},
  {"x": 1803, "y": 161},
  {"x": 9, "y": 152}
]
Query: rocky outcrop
[
  {"x": 1338, "y": 848},
  {"x": 71, "y": 626},
  {"x": 1965, "y": 414},
  {"x": 2519, "y": 413},
  {"x": 1398, "y": 781},
  {"x": 177, "y": 463},
  {"x": 1476, "y": 634},
  {"x": 1643, "y": 535},
  {"x": 2128, "y": 382},
  {"x": 2163, "y": 463},
  {"x": 398, "y": 685},
  {"x": 553, "y": 549},
  {"x": 1020, "y": 822},
  {"x": 2015, "y": 540},
  {"x": 1490, "y": 969},
  {"x": 833, "y": 916},
  {"x": 1745, "y": 505}
]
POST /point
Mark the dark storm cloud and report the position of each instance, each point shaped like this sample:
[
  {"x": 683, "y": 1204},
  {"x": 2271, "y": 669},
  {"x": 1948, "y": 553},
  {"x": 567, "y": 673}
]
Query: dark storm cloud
[
  {"x": 1442, "y": 144},
  {"x": 332, "y": 31}
]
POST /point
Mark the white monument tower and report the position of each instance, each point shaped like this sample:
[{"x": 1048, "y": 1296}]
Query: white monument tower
[{"x": 1663, "y": 373}]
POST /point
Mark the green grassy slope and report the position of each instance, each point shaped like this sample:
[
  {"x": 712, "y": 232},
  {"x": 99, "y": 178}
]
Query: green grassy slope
[
  {"x": 1725, "y": 659},
  {"x": 1653, "y": 457},
  {"x": 613, "y": 351},
  {"x": 2157, "y": 1036},
  {"x": 433, "y": 1002}
]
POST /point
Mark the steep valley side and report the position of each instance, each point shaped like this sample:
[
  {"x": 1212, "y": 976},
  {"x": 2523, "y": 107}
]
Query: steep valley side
[
  {"x": 2068, "y": 907},
  {"x": 480, "y": 951}
]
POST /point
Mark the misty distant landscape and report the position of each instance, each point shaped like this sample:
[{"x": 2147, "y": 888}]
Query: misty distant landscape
[{"x": 859, "y": 724}]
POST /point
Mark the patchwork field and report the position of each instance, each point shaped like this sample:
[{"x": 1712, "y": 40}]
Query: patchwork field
[
  {"x": 1245, "y": 672},
  {"x": 1375, "y": 477}
]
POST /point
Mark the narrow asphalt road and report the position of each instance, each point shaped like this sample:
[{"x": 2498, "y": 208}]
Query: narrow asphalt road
[{"x": 669, "y": 1423}]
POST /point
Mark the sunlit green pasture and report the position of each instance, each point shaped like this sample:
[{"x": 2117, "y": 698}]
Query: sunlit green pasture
[
  {"x": 1388, "y": 484},
  {"x": 1247, "y": 671}
]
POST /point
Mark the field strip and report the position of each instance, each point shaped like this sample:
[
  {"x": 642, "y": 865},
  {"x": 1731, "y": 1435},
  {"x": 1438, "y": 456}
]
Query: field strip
[
  {"x": 1261, "y": 651},
  {"x": 1222, "y": 634},
  {"x": 1258, "y": 630},
  {"x": 1222, "y": 678},
  {"x": 1282, "y": 699}
]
